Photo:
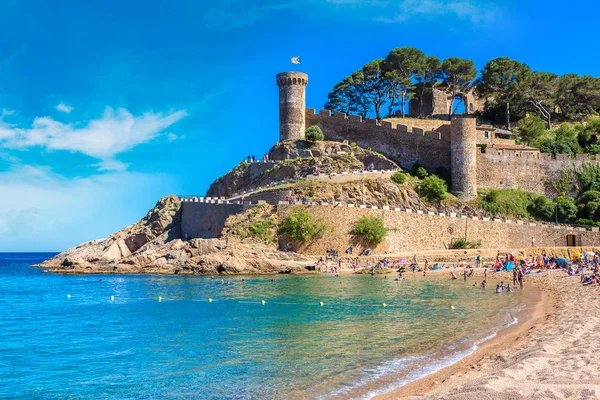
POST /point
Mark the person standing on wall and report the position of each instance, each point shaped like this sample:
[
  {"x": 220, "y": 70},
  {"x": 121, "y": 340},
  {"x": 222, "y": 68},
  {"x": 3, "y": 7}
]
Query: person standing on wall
[{"x": 532, "y": 241}]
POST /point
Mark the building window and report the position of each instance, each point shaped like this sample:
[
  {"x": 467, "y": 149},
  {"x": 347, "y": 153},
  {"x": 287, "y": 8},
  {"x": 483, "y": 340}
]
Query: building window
[
  {"x": 471, "y": 107},
  {"x": 486, "y": 134}
]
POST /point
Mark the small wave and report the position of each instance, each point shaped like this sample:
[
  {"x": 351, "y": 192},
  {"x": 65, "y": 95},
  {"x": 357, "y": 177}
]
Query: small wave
[{"x": 398, "y": 364}]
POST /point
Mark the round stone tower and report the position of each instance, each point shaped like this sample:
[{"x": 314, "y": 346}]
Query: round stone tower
[
  {"x": 292, "y": 105},
  {"x": 463, "y": 148}
]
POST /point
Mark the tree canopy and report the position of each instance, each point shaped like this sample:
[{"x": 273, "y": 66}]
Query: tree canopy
[{"x": 510, "y": 88}]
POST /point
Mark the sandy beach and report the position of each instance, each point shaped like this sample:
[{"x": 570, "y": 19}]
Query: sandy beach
[{"x": 549, "y": 354}]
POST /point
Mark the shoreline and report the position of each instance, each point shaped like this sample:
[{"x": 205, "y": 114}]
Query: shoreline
[{"x": 538, "y": 305}]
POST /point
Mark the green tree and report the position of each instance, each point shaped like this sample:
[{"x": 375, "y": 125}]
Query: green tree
[
  {"x": 350, "y": 96},
  {"x": 566, "y": 209},
  {"x": 376, "y": 86},
  {"x": 544, "y": 207},
  {"x": 427, "y": 76},
  {"x": 434, "y": 188},
  {"x": 589, "y": 205},
  {"x": 457, "y": 76},
  {"x": 540, "y": 94},
  {"x": 371, "y": 229},
  {"x": 314, "y": 134},
  {"x": 588, "y": 176},
  {"x": 301, "y": 226},
  {"x": 530, "y": 128},
  {"x": 398, "y": 177},
  {"x": 562, "y": 140},
  {"x": 341, "y": 98},
  {"x": 404, "y": 63},
  {"x": 504, "y": 79},
  {"x": 587, "y": 135},
  {"x": 419, "y": 171},
  {"x": 578, "y": 96}
]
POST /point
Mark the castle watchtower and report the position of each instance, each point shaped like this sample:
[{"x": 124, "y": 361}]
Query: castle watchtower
[
  {"x": 292, "y": 105},
  {"x": 463, "y": 149}
]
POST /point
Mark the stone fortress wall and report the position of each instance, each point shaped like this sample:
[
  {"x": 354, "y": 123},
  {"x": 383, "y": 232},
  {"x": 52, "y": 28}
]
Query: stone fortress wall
[
  {"x": 520, "y": 170},
  {"x": 432, "y": 231},
  {"x": 409, "y": 229},
  {"x": 395, "y": 141},
  {"x": 514, "y": 168}
]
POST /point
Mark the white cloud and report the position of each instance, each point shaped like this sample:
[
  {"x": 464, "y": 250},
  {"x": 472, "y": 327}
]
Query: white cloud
[
  {"x": 6, "y": 112},
  {"x": 102, "y": 138},
  {"x": 62, "y": 107},
  {"x": 111, "y": 165},
  {"x": 43, "y": 211}
]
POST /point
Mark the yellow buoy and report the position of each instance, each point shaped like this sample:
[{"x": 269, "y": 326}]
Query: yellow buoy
[
  {"x": 68, "y": 296},
  {"x": 384, "y": 305},
  {"x": 112, "y": 297},
  {"x": 159, "y": 298},
  {"x": 263, "y": 302},
  {"x": 452, "y": 307},
  {"x": 209, "y": 300},
  {"x": 321, "y": 304}
]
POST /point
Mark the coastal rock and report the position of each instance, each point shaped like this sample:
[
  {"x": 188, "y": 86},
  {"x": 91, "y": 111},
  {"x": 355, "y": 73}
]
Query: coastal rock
[{"x": 154, "y": 245}]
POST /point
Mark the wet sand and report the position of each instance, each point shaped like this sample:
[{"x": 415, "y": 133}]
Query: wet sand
[{"x": 549, "y": 354}]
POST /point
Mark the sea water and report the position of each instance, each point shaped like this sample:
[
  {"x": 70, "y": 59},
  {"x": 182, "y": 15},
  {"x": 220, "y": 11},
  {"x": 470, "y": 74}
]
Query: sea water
[{"x": 149, "y": 336}]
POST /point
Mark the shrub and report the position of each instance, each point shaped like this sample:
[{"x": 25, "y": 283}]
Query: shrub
[
  {"x": 589, "y": 205},
  {"x": 492, "y": 196},
  {"x": 262, "y": 229},
  {"x": 419, "y": 171},
  {"x": 530, "y": 128},
  {"x": 314, "y": 134},
  {"x": 301, "y": 226},
  {"x": 434, "y": 188},
  {"x": 588, "y": 223},
  {"x": 399, "y": 178},
  {"x": 506, "y": 201},
  {"x": 371, "y": 229},
  {"x": 310, "y": 193},
  {"x": 544, "y": 207},
  {"x": 464, "y": 244},
  {"x": 566, "y": 209}
]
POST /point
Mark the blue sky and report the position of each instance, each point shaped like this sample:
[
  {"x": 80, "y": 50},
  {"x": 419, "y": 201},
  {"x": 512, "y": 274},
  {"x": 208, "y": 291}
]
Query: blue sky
[{"x": 105, "y": 106}]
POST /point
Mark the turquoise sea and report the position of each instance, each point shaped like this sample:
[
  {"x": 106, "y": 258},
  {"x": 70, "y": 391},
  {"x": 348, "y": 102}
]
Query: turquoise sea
[{"x": 65, "y": 337}]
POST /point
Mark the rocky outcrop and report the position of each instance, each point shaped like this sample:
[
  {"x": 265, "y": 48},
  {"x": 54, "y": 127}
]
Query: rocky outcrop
[
  {"x": 154, "y": 245},
  {"x": 298, "y": 159}
]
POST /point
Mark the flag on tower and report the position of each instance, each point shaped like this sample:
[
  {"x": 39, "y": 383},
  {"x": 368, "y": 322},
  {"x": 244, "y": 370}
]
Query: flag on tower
[{"x": 296, "y": 60}]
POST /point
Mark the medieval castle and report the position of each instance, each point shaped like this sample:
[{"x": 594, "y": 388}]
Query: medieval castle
[
  {"x": 476, "y": 156},
  {"x": 473, "y": 156}
]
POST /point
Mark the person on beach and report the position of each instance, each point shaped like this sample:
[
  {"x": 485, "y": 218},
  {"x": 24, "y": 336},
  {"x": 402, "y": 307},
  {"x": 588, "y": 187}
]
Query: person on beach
[
  {"x": 465, "y": 275},
  {"x": 521, "y": 278},
  {"x": 498, "y": 289},
  {"x": 532, "y": 241},
  {"x": 484, "y": 274},
  {"x": 453, "y": 276},
  {"x": 484, "y": 284}
]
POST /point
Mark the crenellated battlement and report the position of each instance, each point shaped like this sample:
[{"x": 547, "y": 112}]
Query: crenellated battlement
[
  {"x": 313, "y": 117},
  {"x": 536, "y": 157},
  {"x": 292, "y": 78}
]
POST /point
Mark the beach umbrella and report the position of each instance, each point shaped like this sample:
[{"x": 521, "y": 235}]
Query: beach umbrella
[
  {"x": 509, "y": 266},
  {"x": 402, "y": 260},
  {"x": 590, "y": 253},
  {"x": 575, "y": 256},
  {"x": 520, "y": 258}
]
